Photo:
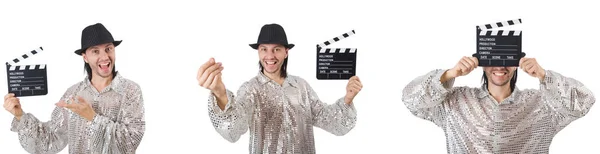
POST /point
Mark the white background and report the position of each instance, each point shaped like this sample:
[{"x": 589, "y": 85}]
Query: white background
[{"x": 165, "y": 43}]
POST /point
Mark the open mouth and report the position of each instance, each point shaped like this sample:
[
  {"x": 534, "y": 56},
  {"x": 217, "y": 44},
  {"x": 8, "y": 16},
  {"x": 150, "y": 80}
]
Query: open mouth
[
  {"x": 270, "y": 62},
  {"x": 104, "y": 65},
  {"x": 499, "y": 73}
]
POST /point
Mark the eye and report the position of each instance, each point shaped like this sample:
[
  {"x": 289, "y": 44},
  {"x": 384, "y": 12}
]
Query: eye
[{"x": 95, "y": 51}]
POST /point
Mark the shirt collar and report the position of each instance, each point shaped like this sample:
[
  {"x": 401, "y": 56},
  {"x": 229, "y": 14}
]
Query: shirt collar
[
  {"x": 511, "y": 98},
  {"x": 114, "y": 84},
  {"x": 262, "y": 78}
]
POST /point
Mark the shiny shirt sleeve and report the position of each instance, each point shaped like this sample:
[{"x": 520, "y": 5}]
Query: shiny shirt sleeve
[
  {"x": 425, "y": 96},
  {"x": 122, "y": 135},
  {"x": 338, "y": 118},
  {"x": 234, "y": 120},
  {"x": 43, "y": 137},
  {"x": 568, "y": 98}
]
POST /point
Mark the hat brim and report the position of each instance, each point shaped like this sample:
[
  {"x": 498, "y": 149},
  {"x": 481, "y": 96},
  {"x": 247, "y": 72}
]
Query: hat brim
[
  {"x": 255, "y": 46},
  {"x": 80, "y": 51}
]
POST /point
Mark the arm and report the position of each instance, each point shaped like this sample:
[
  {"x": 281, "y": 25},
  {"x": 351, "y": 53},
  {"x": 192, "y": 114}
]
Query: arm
[
  {"x": 338, "y": 118},
  {"x": 232, "y": 122},
  {"x": 424, "y": 96},
  {"x": 566, "y": 97},
  {"x": 43, "y": 137},
  {"x": 125, "y": 134}
]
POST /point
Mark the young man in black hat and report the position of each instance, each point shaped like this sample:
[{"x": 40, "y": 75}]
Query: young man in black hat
[
  {"x": 279, "y": 109},
  {"x": 498, "y": 117},
  {"x": 104, "y": 113}
]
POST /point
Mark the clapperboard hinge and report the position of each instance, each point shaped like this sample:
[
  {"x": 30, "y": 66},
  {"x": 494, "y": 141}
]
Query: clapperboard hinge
[
  {"x": 321, "y": 46},
  {"x": 492, "y": 29}
]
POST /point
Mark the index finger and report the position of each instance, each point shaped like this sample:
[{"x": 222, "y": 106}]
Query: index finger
[
  {"x": 474, "y": 60},
  {"x": 358, "y": 84},
  {"x": 355, "y": 78},
  {"x": 8, "y": 95},
  {"x": 206, "y": 65},
  {"x": 63, "y": 104},
  {"x": 81, "y": 99},
  {"x": 523, "y": 60},
  {"x": 470, "y": 62}
]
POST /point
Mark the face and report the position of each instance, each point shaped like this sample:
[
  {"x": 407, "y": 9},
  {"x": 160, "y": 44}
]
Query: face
[
  {"x": 271, "y": 57},
  {"x": 499, "y": 76},
  {"x": 101, "y": 59}
]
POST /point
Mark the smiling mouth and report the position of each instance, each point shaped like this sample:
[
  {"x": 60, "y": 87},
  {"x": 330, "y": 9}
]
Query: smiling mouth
[
  {"x": 270, "y": 62},
  {"x": 499, "y": 73},
  {"x": 104, "y": 65}
]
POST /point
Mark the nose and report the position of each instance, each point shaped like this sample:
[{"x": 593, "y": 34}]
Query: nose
[
  {"x": 270, "y": 54},
  {"x": 103, "y": 55}
]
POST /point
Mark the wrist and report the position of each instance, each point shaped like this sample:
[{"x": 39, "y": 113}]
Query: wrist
[
  {"x": 348, "y": 100},
  {"x": 19, "y": 115},
  {"x": 91, "y": 117},
  {"x": 543, "y": 76},
  {"x": 220, "y": 94},
  {"x": 448, "y": 75},
  {"x": 221, "y": 99}
]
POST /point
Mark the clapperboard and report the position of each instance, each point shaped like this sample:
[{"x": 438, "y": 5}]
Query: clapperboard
[
  {"x": 336, "y": 63},
  {"x": 499, "y": 47},
  {"x": 27, "y": 80}
]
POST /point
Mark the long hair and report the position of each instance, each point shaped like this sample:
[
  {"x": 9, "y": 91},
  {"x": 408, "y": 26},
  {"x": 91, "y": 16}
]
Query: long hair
[
  {"x": 513, "y": 81},
  {"x": 282, "y": 72},
  {"x": 88, "y": 70}
]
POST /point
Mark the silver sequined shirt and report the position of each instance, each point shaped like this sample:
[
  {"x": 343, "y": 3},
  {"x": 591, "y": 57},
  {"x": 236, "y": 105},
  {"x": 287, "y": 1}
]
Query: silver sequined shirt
[
  {"x": 280, "y": 117},
  {"x": 474, "y": 122},
  {"x": 118, "y": 126}
]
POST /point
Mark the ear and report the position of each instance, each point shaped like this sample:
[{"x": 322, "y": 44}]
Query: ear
[
  {"x": 84, "y": 57},
  {"x": 286, "y": 52},
  {"x": 514, "y": 69}
]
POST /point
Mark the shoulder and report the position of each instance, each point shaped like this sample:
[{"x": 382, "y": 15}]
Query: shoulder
[
  {"x": 465, "y": 90},
  {"x": 252, "y": 82},
  {"x": 128, "y": 87},
  {"x": 528, "y": 93},
  {"x": 76, "y": 87},
  {"x": 251, "y": 85},
  {"x": 297, "y": 79},
  {"x": 129, "y": 84}
]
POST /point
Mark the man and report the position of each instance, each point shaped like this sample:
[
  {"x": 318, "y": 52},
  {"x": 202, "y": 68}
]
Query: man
[
  {"x": 104, "y": 113},
  {"x": 279, "y": 109},
  {"x": 498, "y": 117}
]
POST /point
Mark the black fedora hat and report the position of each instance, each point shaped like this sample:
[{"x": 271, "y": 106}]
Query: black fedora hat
[
  {"x": 272, "y": 34},
  {"x": 95, "y": 34}
]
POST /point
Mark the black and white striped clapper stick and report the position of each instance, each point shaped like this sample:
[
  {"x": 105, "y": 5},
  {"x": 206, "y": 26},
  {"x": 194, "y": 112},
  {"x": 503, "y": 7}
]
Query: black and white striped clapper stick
[
  {"x": 499, "y": 47},
  {"x": 27, "y": 80},
  {"x": 336, "y": 63}
]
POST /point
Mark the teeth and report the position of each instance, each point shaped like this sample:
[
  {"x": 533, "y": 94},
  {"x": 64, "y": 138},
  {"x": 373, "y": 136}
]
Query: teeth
[
  {"x": 270, "y": 62},
  {"x": 499, "y": 74},
  {"x": 104, "y": 64}
]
